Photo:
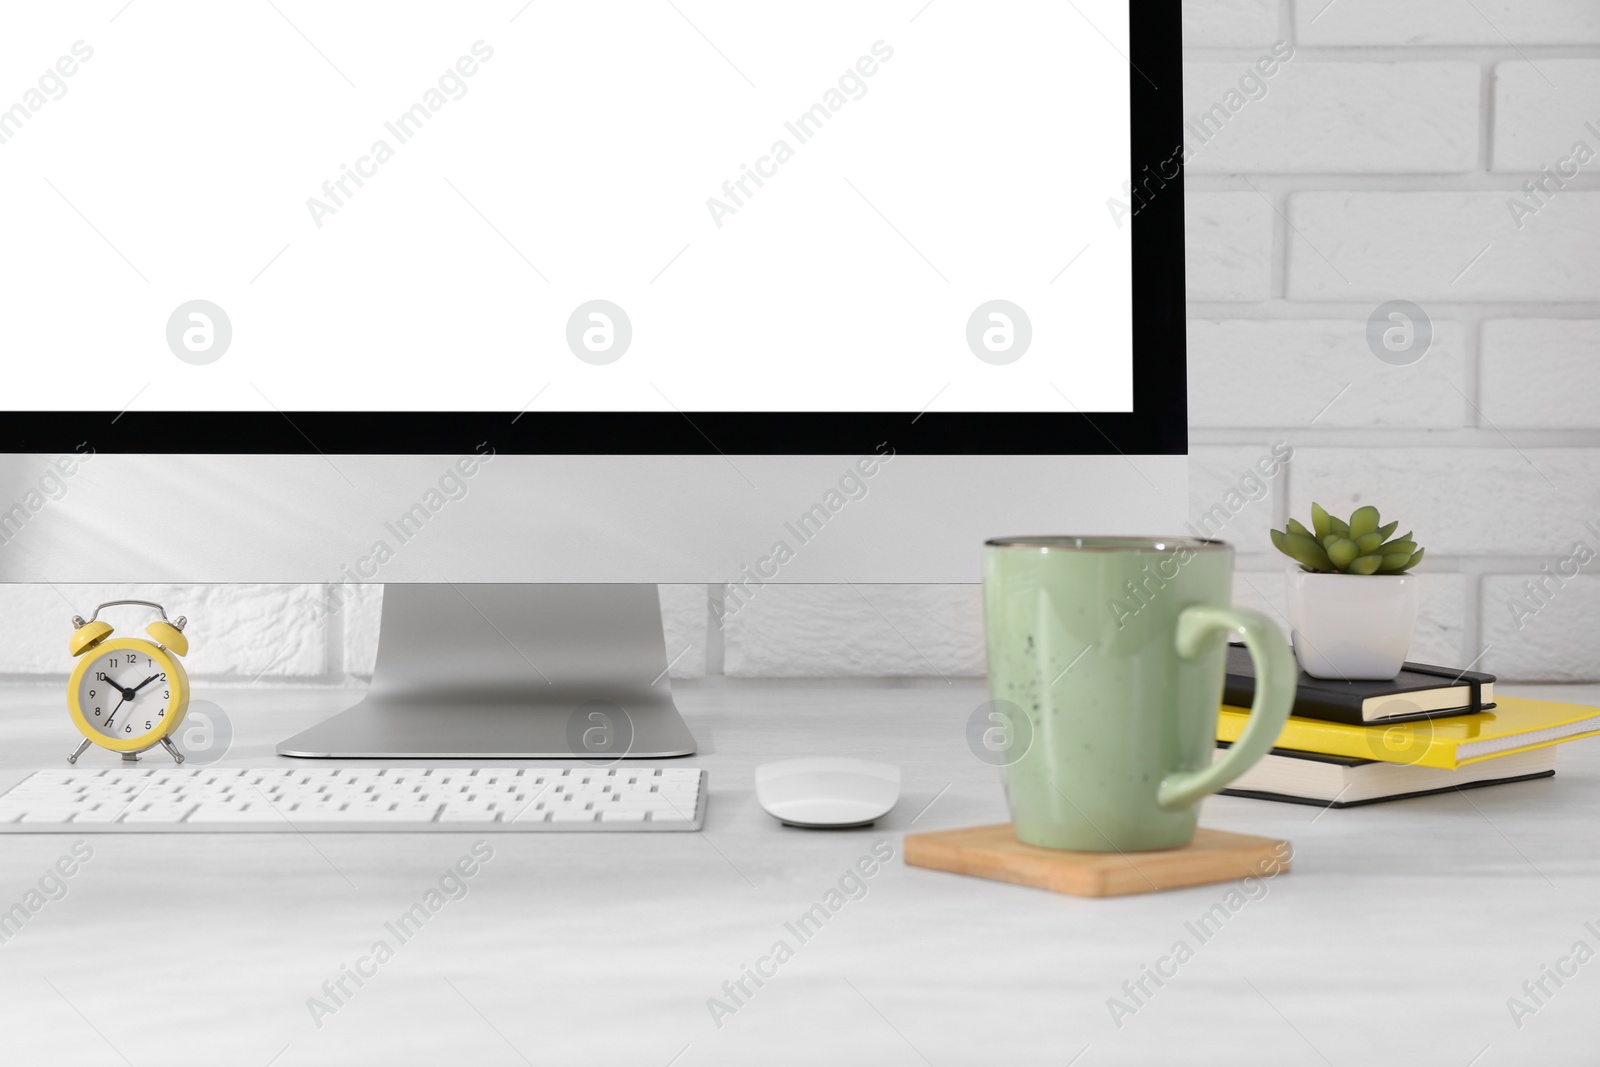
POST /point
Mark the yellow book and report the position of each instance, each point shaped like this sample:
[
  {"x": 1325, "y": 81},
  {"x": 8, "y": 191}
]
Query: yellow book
[{"x": 1514, "y": 725}]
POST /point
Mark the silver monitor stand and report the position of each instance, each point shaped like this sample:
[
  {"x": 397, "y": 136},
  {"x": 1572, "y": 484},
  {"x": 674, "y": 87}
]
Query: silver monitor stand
[{"x": 505, "y": 670}]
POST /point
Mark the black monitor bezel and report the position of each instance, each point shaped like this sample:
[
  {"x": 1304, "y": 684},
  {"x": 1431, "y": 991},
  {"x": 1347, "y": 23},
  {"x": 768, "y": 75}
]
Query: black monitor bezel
[{"x": 1157, "y": 425}]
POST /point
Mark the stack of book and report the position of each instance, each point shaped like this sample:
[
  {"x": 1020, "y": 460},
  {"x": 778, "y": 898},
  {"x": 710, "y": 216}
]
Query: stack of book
[{"x": 1429, "y": 730}]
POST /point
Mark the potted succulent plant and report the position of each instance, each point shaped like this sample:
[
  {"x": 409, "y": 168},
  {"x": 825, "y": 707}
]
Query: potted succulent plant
[{"x": 1352, "y": 600}]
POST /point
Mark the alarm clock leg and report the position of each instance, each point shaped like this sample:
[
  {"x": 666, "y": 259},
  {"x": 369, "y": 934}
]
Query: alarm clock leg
[
  {"x": 78, "y": 752},
  {"x": 166, "y": 742}
]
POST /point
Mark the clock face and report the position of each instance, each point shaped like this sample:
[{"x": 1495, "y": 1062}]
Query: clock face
[{"x": 124, "y": 694}]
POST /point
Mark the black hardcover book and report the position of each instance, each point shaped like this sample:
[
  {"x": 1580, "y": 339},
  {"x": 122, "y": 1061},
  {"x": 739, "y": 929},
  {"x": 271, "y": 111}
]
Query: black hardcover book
[{"x": 1420, "y": 691}]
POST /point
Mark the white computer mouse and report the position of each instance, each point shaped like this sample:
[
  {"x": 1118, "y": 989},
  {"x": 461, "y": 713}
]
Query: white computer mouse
[{"x": 827, "y": 792}]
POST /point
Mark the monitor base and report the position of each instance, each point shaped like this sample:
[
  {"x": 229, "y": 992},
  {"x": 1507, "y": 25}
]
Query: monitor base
[{"x": 500, "y": 671}]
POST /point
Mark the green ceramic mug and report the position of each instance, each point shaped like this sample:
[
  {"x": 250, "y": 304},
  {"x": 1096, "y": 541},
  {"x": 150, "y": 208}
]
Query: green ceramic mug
[{"x": 1109, "y": 652}]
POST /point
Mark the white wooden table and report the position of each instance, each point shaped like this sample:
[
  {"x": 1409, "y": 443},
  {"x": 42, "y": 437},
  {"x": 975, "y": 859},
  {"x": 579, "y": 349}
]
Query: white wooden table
[{"x": 1398, "y": 937}]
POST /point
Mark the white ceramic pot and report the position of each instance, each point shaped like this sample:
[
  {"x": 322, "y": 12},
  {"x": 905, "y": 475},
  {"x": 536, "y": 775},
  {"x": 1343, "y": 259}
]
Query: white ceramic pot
[{"x": 1352, "y": 627}]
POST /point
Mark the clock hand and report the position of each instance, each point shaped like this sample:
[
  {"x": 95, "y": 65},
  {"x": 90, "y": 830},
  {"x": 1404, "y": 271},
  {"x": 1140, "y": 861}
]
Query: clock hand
[{"x": 126, "y": 693}]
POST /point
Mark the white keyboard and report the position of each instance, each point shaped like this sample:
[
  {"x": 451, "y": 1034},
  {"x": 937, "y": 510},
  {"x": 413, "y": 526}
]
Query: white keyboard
[{"x": 345, "y": 799}]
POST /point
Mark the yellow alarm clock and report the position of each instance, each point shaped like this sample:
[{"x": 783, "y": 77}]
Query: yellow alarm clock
[{"x": 127, "y": 694}]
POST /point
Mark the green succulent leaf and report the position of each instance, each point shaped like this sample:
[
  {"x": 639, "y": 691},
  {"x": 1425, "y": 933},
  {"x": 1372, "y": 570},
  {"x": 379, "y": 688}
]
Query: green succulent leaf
[
  {"x": 1366, "y": 565},
  {"x": 1342, "y": 552},
  {"x": 1360, "y": 546},
  {"x": 1303, "y": 550},
  {"x": 1319, "y": 522},
  {"x": 1368, "y": 543}
]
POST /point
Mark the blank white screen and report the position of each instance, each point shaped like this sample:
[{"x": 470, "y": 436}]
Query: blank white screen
[{"x": 974, "y": 163}]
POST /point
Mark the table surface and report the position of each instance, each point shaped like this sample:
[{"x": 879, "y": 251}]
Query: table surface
[{"x": 1399, "y": 936}]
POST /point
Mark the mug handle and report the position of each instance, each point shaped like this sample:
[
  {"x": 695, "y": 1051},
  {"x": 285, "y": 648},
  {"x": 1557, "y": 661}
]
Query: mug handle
[{"x": 1276, "y": 677}]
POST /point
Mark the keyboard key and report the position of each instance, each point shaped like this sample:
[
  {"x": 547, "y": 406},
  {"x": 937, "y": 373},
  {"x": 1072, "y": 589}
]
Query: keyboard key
[
  {"x": 49, "y": 815},
  {"x": 107, "y": 813},
  {"x": 165, "y": 814},
  {"x": 677, "y": 818},
  {"x": 467, "y": 813},
  {"x": 236, "y": 813}
]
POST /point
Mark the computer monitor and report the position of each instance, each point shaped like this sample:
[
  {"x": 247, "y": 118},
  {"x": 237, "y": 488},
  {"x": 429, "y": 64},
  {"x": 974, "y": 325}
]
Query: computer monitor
[{"x": 522, "y": 315}]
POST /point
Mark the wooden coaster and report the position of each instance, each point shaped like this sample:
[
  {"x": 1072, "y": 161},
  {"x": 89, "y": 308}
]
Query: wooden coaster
[{"x": 994, "y": 852}]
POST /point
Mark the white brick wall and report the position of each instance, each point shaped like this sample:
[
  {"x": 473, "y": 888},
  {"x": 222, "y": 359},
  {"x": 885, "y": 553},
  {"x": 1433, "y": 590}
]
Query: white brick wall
[
  {"x": 1441, "y": 246},
  {"x": 239, "y": 633},
  {"x": 1481, "y": 501},
  {"x": 1370, "y": 118},
  {"x": 1228, "y": 242},
  {"x": 1498, "y": 23},
  {"x": 1377, "y": 166},
  {"x": 1216, "y": 23},
  {"x": 1540, "y": 373},
  {"x": 1489, "y": 447},
  {"x": 1541, "y": 109},
  {"x": 1304, "y": 372},
  {"x": 1541, "y": 644}
]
